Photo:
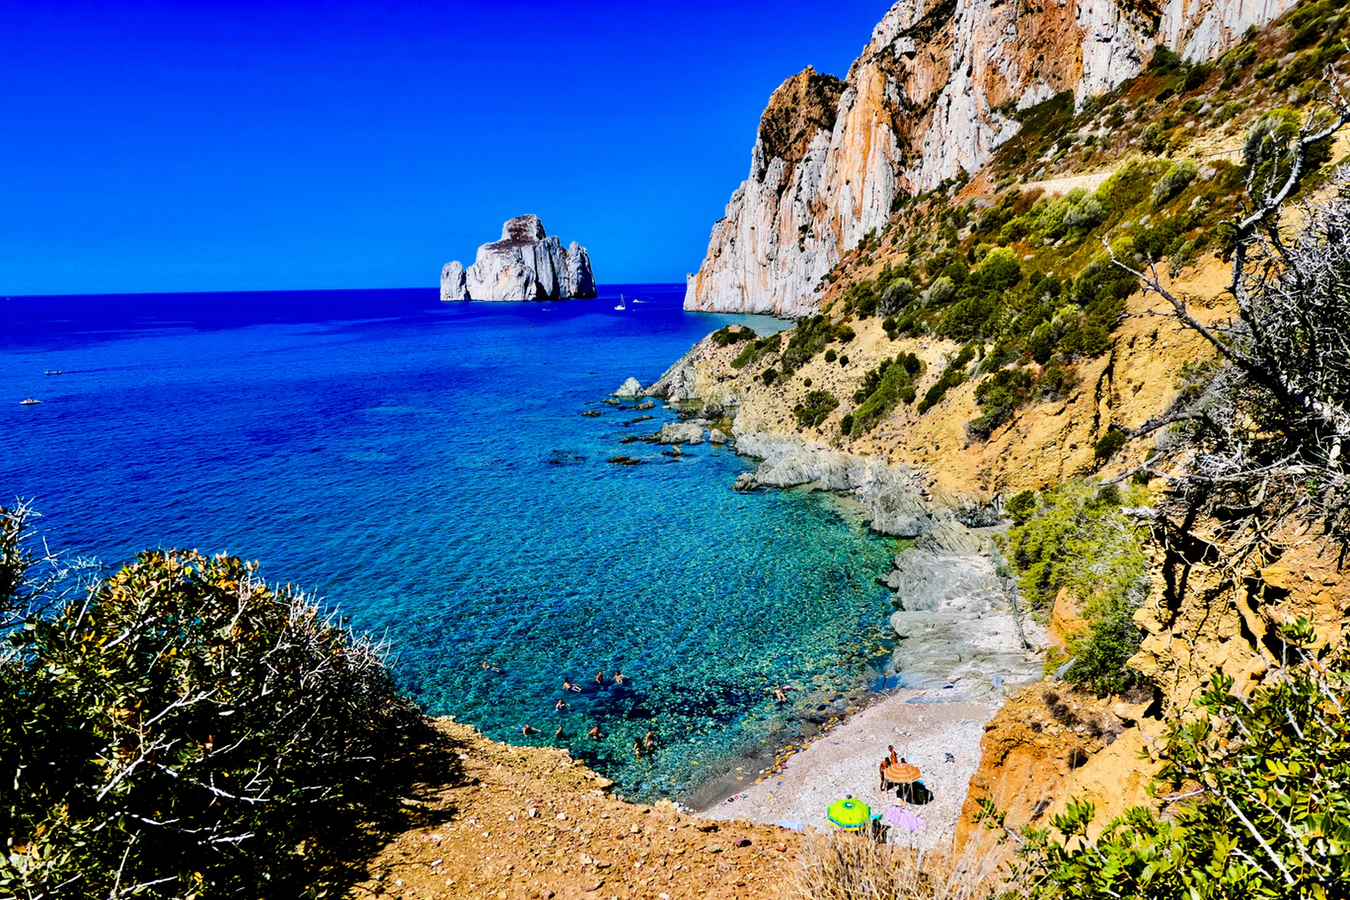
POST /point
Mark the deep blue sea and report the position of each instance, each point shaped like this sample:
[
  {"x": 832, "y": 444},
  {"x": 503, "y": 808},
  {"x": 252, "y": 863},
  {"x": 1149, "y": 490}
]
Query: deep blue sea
[{"x": 426, "y": 468}]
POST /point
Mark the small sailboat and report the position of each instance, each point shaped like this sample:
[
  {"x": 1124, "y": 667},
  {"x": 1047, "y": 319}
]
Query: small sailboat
[
  {"x": 29, "y": 402},
  {"x": 52, "y": 372},
  {"x": 621, "y": 305}
]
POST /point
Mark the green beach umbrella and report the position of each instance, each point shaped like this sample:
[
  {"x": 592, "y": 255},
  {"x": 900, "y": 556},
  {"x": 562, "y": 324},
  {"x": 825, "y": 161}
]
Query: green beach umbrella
[{"x": 850, "y": 814}]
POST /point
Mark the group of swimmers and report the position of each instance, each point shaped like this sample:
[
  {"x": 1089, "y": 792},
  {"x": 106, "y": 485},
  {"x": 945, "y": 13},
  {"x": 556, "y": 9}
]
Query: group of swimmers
[{"x": 643, "y": 746}]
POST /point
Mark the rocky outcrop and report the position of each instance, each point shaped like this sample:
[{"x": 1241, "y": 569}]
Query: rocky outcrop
[
  {"x": 526, "y": 264},
  {"x": 928, "y": 98}
]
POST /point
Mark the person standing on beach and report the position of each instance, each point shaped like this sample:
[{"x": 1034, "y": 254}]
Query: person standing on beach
[
  {"x": 881, "y": 769},
  {"x": 892, "y": 750}
]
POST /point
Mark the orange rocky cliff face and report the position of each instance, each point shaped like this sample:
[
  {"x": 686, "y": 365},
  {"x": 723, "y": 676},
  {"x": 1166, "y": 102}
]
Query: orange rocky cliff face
[{"x": 931, "y": 96}]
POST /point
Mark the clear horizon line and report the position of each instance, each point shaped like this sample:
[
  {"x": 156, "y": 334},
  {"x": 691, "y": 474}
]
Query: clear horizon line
[{"x": 307, "y": 291}]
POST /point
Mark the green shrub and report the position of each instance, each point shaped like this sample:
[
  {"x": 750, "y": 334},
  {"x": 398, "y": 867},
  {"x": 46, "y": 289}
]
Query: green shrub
[
  {"x": 1180, "y": 174},
  {"x": 1265, "y": 781},
  {"x": 846, "y": 424},
  {"x": 191, "y": 729},
  {"x": 757, "y": 350},
  {"x": 1020, "y": 506},
  {"x": 731, "y": 334},
  {"x": 831, "y": 356},
  {"x": 951, "y": 376},
  {"x": 999, "y": 395},
  {"x": 815, "y": 408},
  {"x": 1109, "y": 445},
  {"x": 900, "y": 294},
  {"x": 769, "y": 375},
  {"x": 882, "y": 388}
]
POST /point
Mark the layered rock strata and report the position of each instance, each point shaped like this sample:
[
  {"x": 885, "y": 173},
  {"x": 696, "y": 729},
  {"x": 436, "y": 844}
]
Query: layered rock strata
[
  {"x": 930, "y": 97},
  {"x": 526, "y": 264}
]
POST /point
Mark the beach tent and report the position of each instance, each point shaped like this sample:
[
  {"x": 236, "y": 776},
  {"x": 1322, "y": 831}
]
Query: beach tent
[{"x": 850, "y": 814}]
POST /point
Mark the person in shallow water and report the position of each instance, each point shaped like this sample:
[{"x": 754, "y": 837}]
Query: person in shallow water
[
  {"x": 637, "y": 748},
  {"x": 618, "y": 677},
  {"x": 489, "y": 667},
  {"x": 560, "y": 705},
  {"x": 650, "y": 741},
  {"x": 594, "y": 733},
  {"x": 779, "y": 694},
  {"x": 600, "y": 677},
  {"x": 557, "y": 735},
  {"x": 528, "y": 730}
]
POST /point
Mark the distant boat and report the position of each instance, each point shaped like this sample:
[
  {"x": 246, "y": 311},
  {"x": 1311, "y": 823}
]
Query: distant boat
[
  {"x": 52, "y": 372},
  {"x": 621, "y": 305},
  {"x": 29, "y": 402}
]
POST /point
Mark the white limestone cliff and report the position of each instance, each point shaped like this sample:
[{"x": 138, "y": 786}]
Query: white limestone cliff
[
  {"x": 919, "y": 106},
  {"x": 526, "y": 264}
]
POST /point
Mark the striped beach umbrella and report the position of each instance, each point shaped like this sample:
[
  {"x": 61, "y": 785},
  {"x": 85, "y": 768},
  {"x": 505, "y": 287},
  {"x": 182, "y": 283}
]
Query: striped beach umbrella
[
  {"x": 849, "y": 814},
  {"x": 901, "y": 773}
]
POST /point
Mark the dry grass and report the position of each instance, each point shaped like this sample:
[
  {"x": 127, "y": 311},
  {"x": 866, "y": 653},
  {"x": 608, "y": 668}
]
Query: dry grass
[{"x": 853, "y": 867}]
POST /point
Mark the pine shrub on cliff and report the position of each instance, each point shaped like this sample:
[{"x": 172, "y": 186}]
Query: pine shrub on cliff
[
  {"x": 1076, "y": 539},
  {"x": 182, "y": 730}
]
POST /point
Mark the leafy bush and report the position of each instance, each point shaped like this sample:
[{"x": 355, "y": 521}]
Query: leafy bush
[
  {"x": 731, "y": 334},
  {"x": 1109, "y": 445},
  {"x": 998, "y": 396},
  {"x": 815, "y": 408},
  {"x": 769, "y": 375},
  {"x": 882, "y": 388},
  {"x": 1268, "y": 779},
  {"x": 187, "y": 731},
  {"x": 1180, "y": 174},
  {"x": 900, "y": 294},
  {"x": 951, "y": 376},
  {"x": 806, "y": 340},
  {"x": 757, "y": 349},
  {"x": 1020, "y": 506},
  {"x": 1077, "y": 538}
]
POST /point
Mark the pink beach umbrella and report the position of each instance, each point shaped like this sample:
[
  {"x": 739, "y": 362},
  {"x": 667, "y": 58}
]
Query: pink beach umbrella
[{"x": 902, "y": 817}]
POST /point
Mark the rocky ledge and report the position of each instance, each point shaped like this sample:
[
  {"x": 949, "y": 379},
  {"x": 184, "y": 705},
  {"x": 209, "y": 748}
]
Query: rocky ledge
[{"x": 526, "y": 264}]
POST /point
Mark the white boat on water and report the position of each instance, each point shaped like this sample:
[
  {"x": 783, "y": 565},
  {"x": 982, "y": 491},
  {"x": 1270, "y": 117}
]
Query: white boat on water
[
  {"x": 621, "y": 305},
  {"x": 29, "y": 402}
]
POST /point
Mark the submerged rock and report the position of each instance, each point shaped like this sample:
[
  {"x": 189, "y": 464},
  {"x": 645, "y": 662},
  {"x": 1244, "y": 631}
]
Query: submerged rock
[
  {"x": 526, "y": 264},
  {"x": 624, "y": 461}
]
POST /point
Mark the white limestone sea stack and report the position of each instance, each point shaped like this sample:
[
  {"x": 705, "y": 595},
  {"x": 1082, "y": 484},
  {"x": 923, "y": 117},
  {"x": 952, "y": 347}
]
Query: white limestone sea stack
[{"x": 526, "y": 264}]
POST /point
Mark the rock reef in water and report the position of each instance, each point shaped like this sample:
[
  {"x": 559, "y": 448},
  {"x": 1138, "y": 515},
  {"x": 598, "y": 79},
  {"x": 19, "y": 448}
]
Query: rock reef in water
[
  {"x": 930, "y": 97},
  {"x": 526, "y": 264}
]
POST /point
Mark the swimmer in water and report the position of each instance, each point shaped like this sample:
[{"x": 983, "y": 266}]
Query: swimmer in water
[
  {"x": 557, "y": 735},
  {"x": 599, "y": 677},
  {"x": 529, "y": 730},
  {"x": 560, "y": 705},
  {"x": 637, "y": 749},
  {"x": 594, "y": 733},
  {"x": 618, "y": 678},
  {"x": 650, "y": 740}
]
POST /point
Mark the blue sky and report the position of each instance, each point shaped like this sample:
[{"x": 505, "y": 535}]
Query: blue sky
[{"x": 282, "y": 145}]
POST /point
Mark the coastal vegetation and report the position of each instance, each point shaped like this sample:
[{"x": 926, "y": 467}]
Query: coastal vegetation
[
  {"x": 1076, "y": 542},
  {"x": 180, "y": 729},
  {"x": 1254, "y": 791}
]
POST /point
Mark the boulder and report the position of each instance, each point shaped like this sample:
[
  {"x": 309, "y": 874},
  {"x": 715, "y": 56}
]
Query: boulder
[
  {"x": 526, "y": 264},
  {"x": 680, "y": 433},
  {"x": 630, "y": 388},
  {"x": 717, "y": 436}
]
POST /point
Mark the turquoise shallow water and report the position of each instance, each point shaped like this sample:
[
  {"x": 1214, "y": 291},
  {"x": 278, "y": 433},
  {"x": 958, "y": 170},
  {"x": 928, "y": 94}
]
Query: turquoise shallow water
[{"x": 425, "y": 467}]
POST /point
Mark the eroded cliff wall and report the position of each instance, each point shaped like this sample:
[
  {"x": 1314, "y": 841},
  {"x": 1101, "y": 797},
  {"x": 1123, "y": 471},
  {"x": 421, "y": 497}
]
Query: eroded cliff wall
[{"x": 930, "y": 96}]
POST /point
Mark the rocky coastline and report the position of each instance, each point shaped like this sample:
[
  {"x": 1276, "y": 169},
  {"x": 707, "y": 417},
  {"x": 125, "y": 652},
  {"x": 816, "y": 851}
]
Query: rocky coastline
[{"x": 959, "y": 643}]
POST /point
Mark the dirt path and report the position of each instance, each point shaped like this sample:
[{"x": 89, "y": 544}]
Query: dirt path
[{"x": 519, "y": 822}]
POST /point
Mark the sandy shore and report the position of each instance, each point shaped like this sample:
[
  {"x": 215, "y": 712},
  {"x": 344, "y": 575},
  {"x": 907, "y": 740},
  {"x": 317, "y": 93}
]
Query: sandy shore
[{"x": 844, "y": 761}]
